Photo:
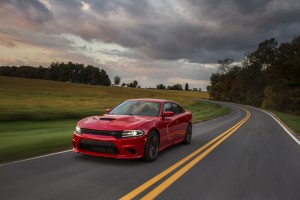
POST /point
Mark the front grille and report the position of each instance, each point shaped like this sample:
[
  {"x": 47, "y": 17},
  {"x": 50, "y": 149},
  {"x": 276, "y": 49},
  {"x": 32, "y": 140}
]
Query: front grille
[
  {"x": 117, "y": 134},
  {"x": 98, "y": 146}
]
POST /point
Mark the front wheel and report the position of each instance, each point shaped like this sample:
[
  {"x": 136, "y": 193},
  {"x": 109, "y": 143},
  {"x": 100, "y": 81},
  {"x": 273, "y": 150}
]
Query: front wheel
[
  {"x": 151, "y": 147},
  {"x": 188, "y": 135}
]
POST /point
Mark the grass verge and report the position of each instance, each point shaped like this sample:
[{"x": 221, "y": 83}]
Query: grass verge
[
  {"x": 291, "y": 120},
  {"x": 203, "y": 111},
  {"x": 20, "y": 140}
]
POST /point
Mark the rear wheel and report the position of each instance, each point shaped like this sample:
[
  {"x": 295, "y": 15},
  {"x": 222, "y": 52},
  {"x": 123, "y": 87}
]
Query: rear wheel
[
  {"x": 151, "y": 147},
  {"x": 188, "y": 135}
]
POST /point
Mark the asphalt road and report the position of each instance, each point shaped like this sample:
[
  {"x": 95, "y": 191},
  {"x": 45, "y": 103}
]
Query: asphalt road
[{"x": 259, "y": 160}]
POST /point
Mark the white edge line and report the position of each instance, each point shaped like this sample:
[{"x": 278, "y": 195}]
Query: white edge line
[
  {"x": 284, "y": 128},
  {"x": 270, "y": 114},
  {"x": 33, "y": 158}
]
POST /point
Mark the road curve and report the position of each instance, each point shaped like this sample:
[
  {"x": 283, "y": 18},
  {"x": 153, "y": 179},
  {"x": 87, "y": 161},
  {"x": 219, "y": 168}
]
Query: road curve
[{"x": 258, "y": 160}]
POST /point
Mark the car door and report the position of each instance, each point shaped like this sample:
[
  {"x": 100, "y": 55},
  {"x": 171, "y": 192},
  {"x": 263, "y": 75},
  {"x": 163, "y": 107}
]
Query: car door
[
  {"x": 171, "y": 125},
  {"x": 180, "y": 121}
]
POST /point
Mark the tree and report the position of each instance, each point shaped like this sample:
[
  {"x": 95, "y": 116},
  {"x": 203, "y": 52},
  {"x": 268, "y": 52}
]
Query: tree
[
  {"x": 160, "y": 87},
  {"x": 186, "y": 87},
  {"x": 133, "y": 84},
  {"x": 104, "y": 78},
  {"x": 268, "y": 77},
  {"x": 117, "y": 80},
  {"x": 264, "y": 55},
  {"x": 283, "y": 86},
  {"x": 92, "y": 75},
  {"x": 175, "y": 87},
  {"x": 224, "y": 65},
  {"x": 208, "y": 88}
]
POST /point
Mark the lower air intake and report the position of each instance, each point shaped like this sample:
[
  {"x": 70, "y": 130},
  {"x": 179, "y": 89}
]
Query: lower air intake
[{"x": 98, "y": 146}]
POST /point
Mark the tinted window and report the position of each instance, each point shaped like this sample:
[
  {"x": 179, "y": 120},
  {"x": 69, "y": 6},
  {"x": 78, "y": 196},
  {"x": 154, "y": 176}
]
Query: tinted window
[
  {"x": 168, "y": 107},
  {"x": 177, "y": 109},
  {"x": 141, "y": 108}
]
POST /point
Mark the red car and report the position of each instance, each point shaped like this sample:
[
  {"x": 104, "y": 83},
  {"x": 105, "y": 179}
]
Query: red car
[{"x": 136, "y": 128}]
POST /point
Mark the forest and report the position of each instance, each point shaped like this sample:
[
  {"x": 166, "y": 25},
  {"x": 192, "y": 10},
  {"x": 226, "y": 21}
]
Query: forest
[{"x": 269, "y": 77}]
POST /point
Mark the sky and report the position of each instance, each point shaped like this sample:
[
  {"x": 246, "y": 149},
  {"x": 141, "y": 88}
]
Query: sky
[{"x": 151, "y": 41}]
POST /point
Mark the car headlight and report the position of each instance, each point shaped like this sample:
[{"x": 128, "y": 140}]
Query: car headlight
[
  {"x": 132, "y": 133},
  {"x": 78, "y": 130}
]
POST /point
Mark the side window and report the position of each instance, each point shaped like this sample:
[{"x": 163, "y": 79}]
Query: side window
[
  {"x": 177, "y": 109},
  {"x": 168, "y": 107}
]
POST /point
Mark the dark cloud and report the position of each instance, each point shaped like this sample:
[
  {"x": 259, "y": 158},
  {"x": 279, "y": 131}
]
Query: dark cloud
[
  {"x": 197, "y": 31},
  {"x": 170, "y": 29},
  {"x": 134, "y": 8},
  {"x": 33, "y": 11},
  {"x": 123, "y": 54},
  {"x": 163, "y": 31}
]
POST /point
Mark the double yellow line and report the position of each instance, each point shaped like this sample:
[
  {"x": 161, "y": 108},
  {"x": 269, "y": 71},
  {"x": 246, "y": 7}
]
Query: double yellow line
[{"x": 161, "y": 187}]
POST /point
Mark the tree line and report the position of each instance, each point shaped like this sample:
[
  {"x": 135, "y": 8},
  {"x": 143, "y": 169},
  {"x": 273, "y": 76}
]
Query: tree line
[
  {"x": 269, "y": 77},
  {"x": 75, "y": 73},
  {"x": 67, "y": 72},
  {"x": 176, "y": 87}
]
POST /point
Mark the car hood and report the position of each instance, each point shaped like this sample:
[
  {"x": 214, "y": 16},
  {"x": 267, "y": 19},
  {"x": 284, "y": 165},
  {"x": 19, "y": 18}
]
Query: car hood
[{"x": 114, "y": 122}]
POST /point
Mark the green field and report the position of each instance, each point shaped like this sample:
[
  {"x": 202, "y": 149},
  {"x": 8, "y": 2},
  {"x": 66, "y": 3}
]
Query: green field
[
  {"x": 39, "y": 116},
  {"x": 29, "y": 99}
]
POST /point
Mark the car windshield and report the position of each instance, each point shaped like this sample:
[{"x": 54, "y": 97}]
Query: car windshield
[{"x": 140, "y": 108}]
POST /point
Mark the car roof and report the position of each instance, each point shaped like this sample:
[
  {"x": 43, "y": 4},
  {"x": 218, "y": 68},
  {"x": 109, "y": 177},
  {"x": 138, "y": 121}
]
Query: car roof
[{"x": 149, "y": 99}]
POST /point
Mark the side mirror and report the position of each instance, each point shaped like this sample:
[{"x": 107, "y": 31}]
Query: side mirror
[
  {"x": 107, "y": 111},
  {"x": 168, "y": 114}
]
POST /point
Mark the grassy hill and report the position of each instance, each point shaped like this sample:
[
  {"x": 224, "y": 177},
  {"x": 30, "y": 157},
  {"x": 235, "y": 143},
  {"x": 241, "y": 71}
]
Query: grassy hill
[
  {"x": 39, "y": 116},
  {"x": 31, "y": 99}
]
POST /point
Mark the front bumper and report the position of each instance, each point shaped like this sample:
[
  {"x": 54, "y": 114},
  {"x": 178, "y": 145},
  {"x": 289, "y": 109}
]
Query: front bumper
[{"x": 109, "y": 146}]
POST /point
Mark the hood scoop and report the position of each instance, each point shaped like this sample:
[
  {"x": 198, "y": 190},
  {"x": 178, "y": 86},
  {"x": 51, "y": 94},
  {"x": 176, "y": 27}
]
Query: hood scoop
[{"x": 107, "y": 119}]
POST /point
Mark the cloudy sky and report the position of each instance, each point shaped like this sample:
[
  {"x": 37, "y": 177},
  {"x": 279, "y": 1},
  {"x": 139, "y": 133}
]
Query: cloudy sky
[{"x": 169, "y": 41}]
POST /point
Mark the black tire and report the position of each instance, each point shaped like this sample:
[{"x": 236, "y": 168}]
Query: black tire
[
  {"x": 188, "y": 135},
  {"x": 151, "y": 147}
]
